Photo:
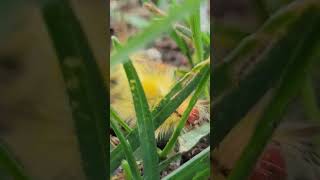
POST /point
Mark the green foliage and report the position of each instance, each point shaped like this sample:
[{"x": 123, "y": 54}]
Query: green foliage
[
  {"x": 154, "y": 29},
  {"x": 253, "y": 68},
  {"x": 148, "y": 120},
  {"x": 88, "y": 100},
  {"x": 197, "y": 167},
  {"x": 276, "y": 58}
]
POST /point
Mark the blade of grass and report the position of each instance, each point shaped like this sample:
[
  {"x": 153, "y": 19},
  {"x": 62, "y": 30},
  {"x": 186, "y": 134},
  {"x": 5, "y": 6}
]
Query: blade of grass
[
  {"x": 125, "y": 146},
  {"x": 173, "y": 139},
  {"x": 117, "y": 154},
  {"x": 165, "y": 108},
  {"x": 198, "y": 163},
  {"x": 154, "y": 30},
  {"x": 206, "y": 39},
  {"x": 252, "y": 87},
  {"x": 186, "y": 34},
  {"x": 182, "y": 45},
  {"x": 204, "y": 174},
  {"x": 10, "y": 165},
  {"x": 115, "y": 115},
  {"x": 126, "y": 169},
  {"x": 144, "y": 121},
  {"x": 84, "y": 85},
  {"x": 173, "y": 34},
  {"x": 273, "y": 29},
  {"x": 145, "y": 124},
  {"x": 289, "y": 87},
  {"x": 177, "y": 95},
  {"x": 167, "y": 161},
  {"x": 196, "y": 34}
]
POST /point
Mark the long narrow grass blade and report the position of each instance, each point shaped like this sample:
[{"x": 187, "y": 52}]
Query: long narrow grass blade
[
  {"x": 117, "y": 154},
  {"x": 289, "y": 87},
  {"x": 169, "y": 160},
  {"x": 173, "y": 34},
  {"x": 198, "y": 164},
  {"x": 84, "y": 85},
  {"x": 154, "y": 30},
  {"x": 115, "y": 115},
  {"x": 145, "y": 124},
  {"x": 257, "y": 80},
  {"x": 196, "y": 34},
  {"x": 126, "y": 169},
  {"x": 144, "y": 120},
  {"x": 125, "y": 146},
  {"x": 181, "y": 43},
  {"x": 271, "y": 32}
]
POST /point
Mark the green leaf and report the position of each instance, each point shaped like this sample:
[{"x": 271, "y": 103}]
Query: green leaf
[
  {"x": 154, "y": 30},
  {"x": 144, "y": 123},
  {"x": 125, "y": 146},
  {"x": 201, "y": 85},
  {"x": 169, "y": 160},
  {"x": 164, "y": 109},
  {"x": 255, "y": 82},
  {"x": 181, "y": 43},
  {"x": 126, "y": 169},
  {"x": 171, "y": 102},
  {"x": 289, "y": 87},
  {"x": 115, "y": 115},
  {"x": 197, "y": 35},
  {"x": 117, "y": 154},
  {"x": 272, "y": 31},
  {"x": 84, "y": 84},
  {"x": 144, "y": 119},
  {"x": 188, "y": 140},
  {"x": 198, "y": 164}
]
